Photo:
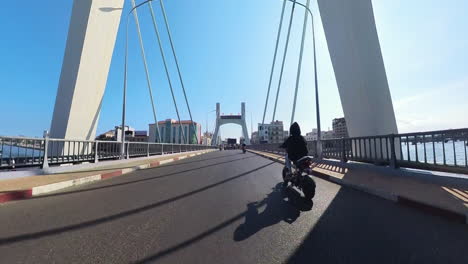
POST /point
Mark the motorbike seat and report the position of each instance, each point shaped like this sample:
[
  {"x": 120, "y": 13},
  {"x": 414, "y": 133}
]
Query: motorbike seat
[{"x": 302, "y": 161}]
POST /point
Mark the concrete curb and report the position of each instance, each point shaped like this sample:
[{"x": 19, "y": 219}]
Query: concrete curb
[
  {"x": 43, "y": 189},
  {"x": 404, "y": 201}
]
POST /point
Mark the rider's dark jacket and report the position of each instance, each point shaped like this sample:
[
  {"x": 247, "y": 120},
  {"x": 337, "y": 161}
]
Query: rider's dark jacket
[{"x": 295, "y": 145}]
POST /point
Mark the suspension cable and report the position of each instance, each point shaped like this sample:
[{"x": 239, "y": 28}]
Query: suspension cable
[
  {"x": 143, "y": 55},
  {"x": 284, "y": 58},
  {"x": 177, "y": 66},
  {"x": 274, "y": 60},
  {"x": 299, "y": 65},
  {"x": 167, "y": 71}
]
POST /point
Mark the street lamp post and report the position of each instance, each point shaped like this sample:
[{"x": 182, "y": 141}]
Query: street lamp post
[
  {"x": 122, "y": 136},
  {"x": 317, "y": 106}
]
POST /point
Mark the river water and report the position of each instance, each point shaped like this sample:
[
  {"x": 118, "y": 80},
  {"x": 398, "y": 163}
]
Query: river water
[
  {"x": 14, "y": 152},
  {"x": 454, "y": 151}
]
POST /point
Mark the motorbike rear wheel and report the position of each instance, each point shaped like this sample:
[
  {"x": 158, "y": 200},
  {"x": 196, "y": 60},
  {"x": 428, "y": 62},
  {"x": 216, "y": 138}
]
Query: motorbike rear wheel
[
  {"x": 285, "y": 176},
  {"x": 308, "y": 188}
]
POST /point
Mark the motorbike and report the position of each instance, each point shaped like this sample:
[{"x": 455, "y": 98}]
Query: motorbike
[
  {"x": 299, "y": 177},
  {"x": 244, "y": 150}
]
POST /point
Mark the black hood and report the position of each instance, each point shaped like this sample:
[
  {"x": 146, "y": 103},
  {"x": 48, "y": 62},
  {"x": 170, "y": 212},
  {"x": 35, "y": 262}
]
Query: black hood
[{"x": 295, "y": 130}]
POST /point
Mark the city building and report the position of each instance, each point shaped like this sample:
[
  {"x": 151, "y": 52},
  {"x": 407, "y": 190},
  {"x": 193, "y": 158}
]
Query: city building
[
  {"x": 312, "y": 136},
  {"x": 171, "y": 132},
  {"x": 129, "y": 133},
  {"x": 272, "y": 133},
  {"x": 339, "y": 128},
  {"x": 139, "y": 136},
  {"x": 109, "y": 135},
  {"x": 328, "y": 134},
  {"x": 254, "y": 138},
  {"x": 207, "y": 138}
]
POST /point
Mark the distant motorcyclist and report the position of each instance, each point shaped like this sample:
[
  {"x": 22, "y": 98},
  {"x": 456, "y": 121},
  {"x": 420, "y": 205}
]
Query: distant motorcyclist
[
  {"x": 243, "y": 147},
  {"x": 295, "y": 145}
]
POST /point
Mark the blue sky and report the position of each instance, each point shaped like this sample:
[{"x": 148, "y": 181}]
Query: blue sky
[{"x": 225, "y": 50}]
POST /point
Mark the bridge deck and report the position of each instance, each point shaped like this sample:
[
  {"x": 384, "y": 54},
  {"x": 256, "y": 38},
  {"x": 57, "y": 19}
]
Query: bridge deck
[{"x": 222, "y": 207}]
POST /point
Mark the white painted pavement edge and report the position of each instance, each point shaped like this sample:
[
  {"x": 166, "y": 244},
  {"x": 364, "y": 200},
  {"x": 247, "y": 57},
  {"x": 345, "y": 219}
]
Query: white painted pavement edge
[{"x": 38, "y": 190}]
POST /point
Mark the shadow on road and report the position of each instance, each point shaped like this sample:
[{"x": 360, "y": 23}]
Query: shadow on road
[
  {"x": 281, "y": 205},
  {"x": 295, "y": 202},
  {"x": 109, "y": 218},
  {"x": 355, "y": 228},
  {"x": 137, "y": 181},
  {"x": 359, "y": 228}
]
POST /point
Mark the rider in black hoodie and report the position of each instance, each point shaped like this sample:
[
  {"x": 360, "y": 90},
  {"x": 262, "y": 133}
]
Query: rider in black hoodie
[{"x": 295, "y": 145}]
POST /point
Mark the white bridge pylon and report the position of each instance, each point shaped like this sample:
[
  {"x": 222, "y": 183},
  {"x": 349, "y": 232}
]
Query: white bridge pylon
[{"x": 230, "y": 119}]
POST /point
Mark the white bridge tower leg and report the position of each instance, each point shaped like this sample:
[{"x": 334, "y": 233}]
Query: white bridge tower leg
[
  {"x": 88, "y": 53},
  {"x": 355, "y": 53},
  {"x": 244, "y": 125},
  {"x": 238, "y": 120},
  {"x": 216, "y": 132}
]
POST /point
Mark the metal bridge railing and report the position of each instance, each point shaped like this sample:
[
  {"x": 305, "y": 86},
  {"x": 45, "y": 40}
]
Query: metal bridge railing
[
  {"x": 21, "y": 150},
  {"x": 16, "y": 152},
  {"x": 444, "y": 150}
]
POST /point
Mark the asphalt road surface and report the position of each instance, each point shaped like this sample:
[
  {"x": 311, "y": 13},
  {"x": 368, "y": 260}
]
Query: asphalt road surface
[{"x": 221, "y": 207}]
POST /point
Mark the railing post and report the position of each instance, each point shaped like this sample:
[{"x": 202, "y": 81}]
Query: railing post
[
  {"x": 128, "y": 150},
  {"x": 147, "y": 149},
  {"x": 393, "y": 159},
  {"x": 318, "y": 149},
  {"x": 45, "y": 161},
  {"x": 162, "y": 149},
  {"x": 96, "y": 156},
  {"x": 344, "y": 158}
]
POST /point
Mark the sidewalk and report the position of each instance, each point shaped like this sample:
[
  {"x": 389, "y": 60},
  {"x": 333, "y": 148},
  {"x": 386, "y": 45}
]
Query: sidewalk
[
  {"x": 26, "y": 187},
  {"x": 443, "y": 196}
]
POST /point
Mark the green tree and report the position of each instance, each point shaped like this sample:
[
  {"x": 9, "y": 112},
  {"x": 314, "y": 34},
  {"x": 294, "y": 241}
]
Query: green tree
[{"x": 193, "y": 139}]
